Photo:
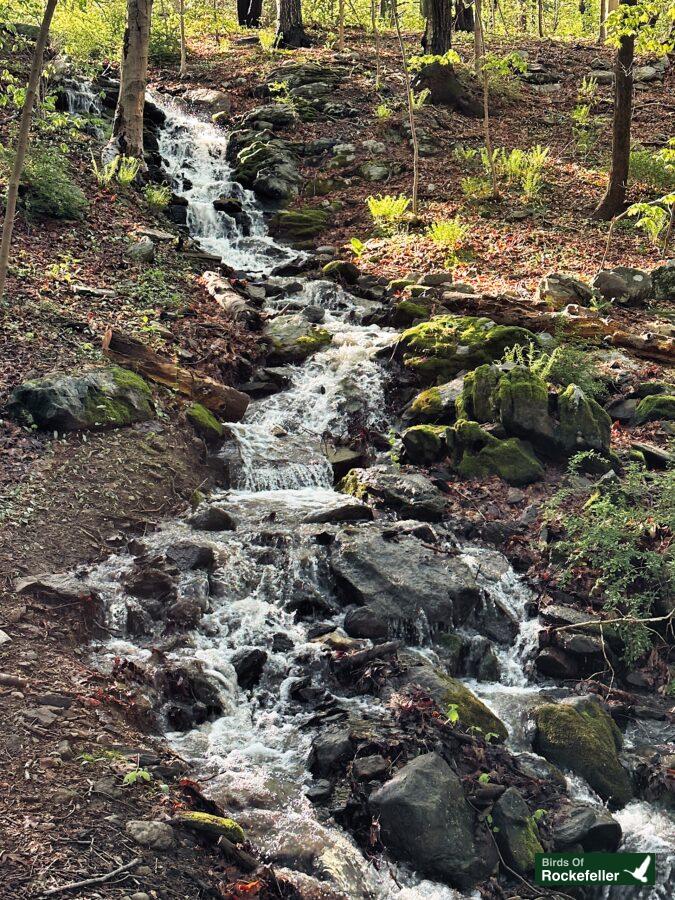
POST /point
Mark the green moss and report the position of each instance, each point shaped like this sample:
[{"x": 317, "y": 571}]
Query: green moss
[
  {"x": 524, "y": 846},
  {"x": 655, "y": 407},
  {"x": 425, "y": 444},
  {"x": 453, "y": 647},
  {"x": 584, "y": 424},
  {"x": 352, "y": 484},
  {"x": 581, "y": 736},
  {"x": 511, "y": 459},
  {"x": 477, "y": 400},
  {"x": 123, "y": 378},
  {"x": 301, "y": 223},
  {"x": 473, "y": 713},
  {"x": 444, "y": 345},
  {"x": 342, "y": 269},
  {"x": 204, "y": 422},
  {"x": 317, "y": 337},
  {"x": 406, "y": 312},
  {"x": 428, "y": 404},
  {"x": 101, "y": 410},
  {"x": 522, "y": 404},
  {"x": 217, "y": 826}
]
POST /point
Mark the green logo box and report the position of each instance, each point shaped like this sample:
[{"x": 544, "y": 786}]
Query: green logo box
[{"x": 569, "y": 869}]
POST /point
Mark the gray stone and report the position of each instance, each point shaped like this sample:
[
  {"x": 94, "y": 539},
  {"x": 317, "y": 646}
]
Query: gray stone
[
  {"x": 212, "y": 518},
  {"x": 593, "y": 827},
  {"x": 426, "y": 821},
  {"x": 152, "y": 834},
  {"x": 410, "y": 494},
  {"x": 329, "y": 749},
  {"x": 142, "y": 251},
  {"x": 517, "y": 834},
  {"x": 558, "y": 290},
  {"x": 207, "y": 98}
]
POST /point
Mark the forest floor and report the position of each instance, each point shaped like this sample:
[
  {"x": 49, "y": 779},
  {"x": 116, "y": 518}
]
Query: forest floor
[{"x": 67, "y": 736}]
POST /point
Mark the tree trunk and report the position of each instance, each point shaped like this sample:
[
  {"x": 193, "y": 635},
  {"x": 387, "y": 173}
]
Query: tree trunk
[
  {"x": 249, "y": 13},
  {"x": 183, "y": 47},
  {"x": 376, "y": 34},
  {"x": 290, "y": 30},
  {"x": 540, "y": 17},
  {"x": 615, "y": 196},
  {"x": 22, "y": 140},
  {"x": 464, "y": 18},
  {"x": 127, "y": 135},
  {"x": 341, "y": 25},
  {"x": 478, "y": 48},
  {"x": 603, "y": 27},
  {"x": 438, "y": 34},
  {"x": 411, "y": 112}
]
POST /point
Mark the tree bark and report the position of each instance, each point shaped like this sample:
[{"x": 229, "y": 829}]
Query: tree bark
[
  {"x": 614, "y": 199},
  {"x": 478, "y": 48},
  {"x": 540, "y": 17},
  {"x": 341, "y": 25},
  {"x": 127, "y": 135},
  {"x": 290, "y": 30},
  {"x": 411, "y": 112},
  {"x": 464, "y": 18},
  {"x": 183, "y": 46},
  {"x": 22, "y": 140},
  {"x": 376, "y": 34},
  {"x": 603, "y": 26},
  {"x": 438, "y": 33},
  {"x": 249, "y": 13}
]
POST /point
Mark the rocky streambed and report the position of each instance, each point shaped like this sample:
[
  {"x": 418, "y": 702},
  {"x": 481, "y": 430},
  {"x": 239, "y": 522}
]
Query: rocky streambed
[{"x": 354, "y": 681}]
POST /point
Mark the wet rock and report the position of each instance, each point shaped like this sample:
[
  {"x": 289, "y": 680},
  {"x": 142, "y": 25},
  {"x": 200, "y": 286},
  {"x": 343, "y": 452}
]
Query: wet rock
[
  {"x": 329, "y": 750},
  {"x": 342, "y": 269},
  {"x": 186, "y": 555},
  {"x": 302, "y": 223},
  {"x": 591, "y": 827},
  {"x": 436, "y": 405},
  {"x": 101, "y": 398},
  {"x": 534, "y": 766},
  {"x": 207, "y": 98},
  {"x": 409, "y": 494},
  {"x": 343, "y": 459},
  {"x": 59, "y": 586},
  {"x": 425, "y": 444},
  {"x": 293, "y": 338},
  {"x": 397, "y": 578},
  {"x": 212, "y": 518},
  {"x": 213, "y": 826},
  {"x": 558, "y": 290},
  {"x": 426, "y": 821},
  {"x": 518, "y": 835},
  {"x": 580, "y": 735},
  {"x": 249, "y": 665},
  {"x": 263, "y": 163},
  {"x": 149, "y": 582},
  {"x": 367, "y": 768},
  {"x": 152, "y": 834},
  {"x": 349, "y": 511},
  {"x": 440, "y": 348},
  {"x": 556, "y": 663}
]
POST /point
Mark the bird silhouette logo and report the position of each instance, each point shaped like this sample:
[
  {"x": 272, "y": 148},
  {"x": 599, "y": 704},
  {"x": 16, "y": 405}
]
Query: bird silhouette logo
[{"x": 640, "y": 874}]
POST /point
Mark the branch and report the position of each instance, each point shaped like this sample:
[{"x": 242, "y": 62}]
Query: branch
[{"x": 96, "y": 879}]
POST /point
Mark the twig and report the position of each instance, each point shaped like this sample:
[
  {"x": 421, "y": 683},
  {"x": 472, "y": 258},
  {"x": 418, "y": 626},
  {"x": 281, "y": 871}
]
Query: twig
[{"x": 96, "y": 879}]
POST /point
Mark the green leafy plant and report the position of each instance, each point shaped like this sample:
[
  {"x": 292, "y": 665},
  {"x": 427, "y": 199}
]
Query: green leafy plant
[
  {"x": 465, "y": 155},
  {"x": 452, "y": 713},
  {"x": 357, "y": 247},
  {"x": 417, "y": 63},
  {"x": 48, "y": 190},
  {"x": 654, "y": 169},
  {"x": 383, "y": 112},
  {"x": 267, "y": 39},
  {"x": 563, "y": 365},
  {"x": 654, "y": 219},
  {"x": 621, "y": 539},
  {"x": 448, "y": 235},
  {"x": 127, "y": 169},
  {"x": 104, "y": 174},
  {"x": 135, "y": 776},
  {"x": 484, "y": 778},
  {"x": 157, "y": 195},
  {"x": 419, "y": 99},
  {"x": 388, "y": 212},
  {"x": 475, "y": 187}
]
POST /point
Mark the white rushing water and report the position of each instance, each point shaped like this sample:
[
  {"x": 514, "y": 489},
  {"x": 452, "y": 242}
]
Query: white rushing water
[{"x": 256, "y": 752}]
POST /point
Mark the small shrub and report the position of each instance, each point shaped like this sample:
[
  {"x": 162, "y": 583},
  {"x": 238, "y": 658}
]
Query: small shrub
[
  {"x": 267, "y": 38},
  {"x": 448, "y": 236},
  {"x": 104, "y": 174},
  {"x": 388, "y": 212},
  {"x": 417, "y": 63},
  {"x": 475, "y": 187},
  {"x": 157, "y": 195},
  {"x": 127, "y": 169},
  {"x": 465, "y": 155},
  {"x": 357, "y": 247},
  {"x": 622, "y": 539},
  {"x": 653, "y": 218},
  {"x": 656, "y": 170},
  {"x": 383, "y": 112},
  {"x": 564, "y": 365},
  {"x": 588, "y": 90},
  {"x": 47, "y": 188},
  {"x": 418, "y": 100}
]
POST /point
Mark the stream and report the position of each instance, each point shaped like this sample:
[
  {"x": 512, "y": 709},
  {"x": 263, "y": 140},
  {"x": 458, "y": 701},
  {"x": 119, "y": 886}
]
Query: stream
[{"x": 255, "y": 753}]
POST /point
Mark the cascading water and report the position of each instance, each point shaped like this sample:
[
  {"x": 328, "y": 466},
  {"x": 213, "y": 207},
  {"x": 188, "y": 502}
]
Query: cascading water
[{"x": 255, "y": 753}]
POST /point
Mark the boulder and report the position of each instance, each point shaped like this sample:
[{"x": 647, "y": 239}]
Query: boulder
[
  {"x": 409, "y": 494},
  {"x": 214, "y": 826},
  {"x": 212, "y": 518},
  {"x": 655, "y": 408},
  {"x": 208, "y": 98},
  {"x": 101, "y": 398},
  {"x": 440, "y": 348},
  {"x": 478, "y": 453},
  {"x": 624, "y": 285},
  {"x": 265, "y": 164},
  {"x": 426, "y": 821},
  {"x": 425, "y": 444},
  {"x": 152, "y": 834},
  {"x": 347, "y": 511},
  {"x": 558, "y": 290},
  {"x": 663, "y": 281},
  {"x": 398, "y": 578},
  {"x": 249, "y": 665},
  {"x": 581, "y": 825},
  {"x": 142, "y": 251},
  {"x": 578, "y": 734},
  {"x": 518, "y": 835},
  {"x": 584, "y": 424},
  {"x": 344, "y": 270},
  {"x": 204, "y": 423},
  {"x": 303, "y": 223},
  {"x": 330, "y": 749},
  {"x": 293, "y": 338},
  {"x": 436, "y": 405}
]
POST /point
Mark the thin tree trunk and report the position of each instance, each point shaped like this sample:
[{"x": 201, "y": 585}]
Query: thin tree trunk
[
  {"x": 376, "y": 33},
  {"x": 540, "y": 17},
  {"x": 341, "y": 25},
  {"x": 22, "y": 140},
  {"x": 290, "y": 30},
  {"x": 478, "y": 48},
  {"x": 411, "y": 112},
  {"x": 127, "y": 135},
  {"x": 464, "y": 18},
  {"x": 487, "y": 135},
  {"x": 438, "y": 34},
  {"x": 603, "y": 25},
  {"x": 183, "y": 47},
  {"x": 614, "y": 199}
]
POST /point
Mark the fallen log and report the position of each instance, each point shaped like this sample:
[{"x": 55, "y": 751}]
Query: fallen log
[
  {"x": 351, "y": 661},
  {"x": 229, "y": 403},
  {"x": 587, "y": 325}
]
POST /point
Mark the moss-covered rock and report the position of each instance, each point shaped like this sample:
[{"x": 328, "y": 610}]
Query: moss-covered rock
[
  {"x": 437, "y": 404},
  {"x": 441, "y": 347},
  {"x": 578, "y": 734},
  {"x": 216, "y": 826},
  {"x": 293, "y": 338},
  {"x": 472, "y": 712},
  {"x": 305, "y": 222},
  {"x": 522, "y": 404},
  {"x": 109, "y": 397},
  {"x": 655, "y": 407},
  {"x": 425, "y": 444},
  {"x": 204, "y": 422},
  {"x": 342, "y": 269},
  {"x": 516, "y": 831},
  {"x": 478, "y": 453},
  {"x": 477, "y": 402},
  {"x": 584, "y": 424}
]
